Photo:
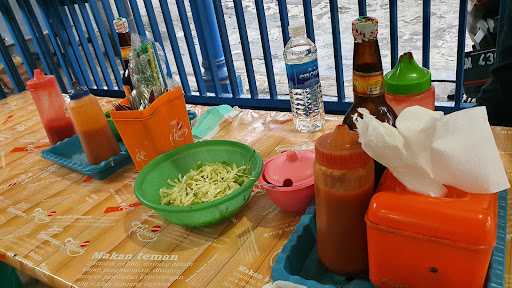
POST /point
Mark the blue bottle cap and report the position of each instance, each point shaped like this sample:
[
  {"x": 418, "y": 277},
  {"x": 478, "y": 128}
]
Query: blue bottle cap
[{"x": 78, "y": 91}]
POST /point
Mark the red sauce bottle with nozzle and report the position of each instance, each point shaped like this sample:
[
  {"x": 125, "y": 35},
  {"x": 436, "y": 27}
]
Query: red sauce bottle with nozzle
[{"x": 51, "y": 107}]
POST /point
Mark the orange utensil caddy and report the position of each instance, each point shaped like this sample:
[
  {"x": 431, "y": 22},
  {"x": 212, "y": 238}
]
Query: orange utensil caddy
[
  {"x": 419, "y": 241},
  {"x": 161, "y": 127}
]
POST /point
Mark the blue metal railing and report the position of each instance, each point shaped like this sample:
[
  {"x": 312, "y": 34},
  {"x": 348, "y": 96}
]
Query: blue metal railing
[{"x": 71, "y": 49}]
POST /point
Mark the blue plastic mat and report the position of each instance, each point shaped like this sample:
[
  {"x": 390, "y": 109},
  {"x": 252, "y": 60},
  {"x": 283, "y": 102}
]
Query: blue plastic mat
[
  {"x": 8, "y": 277},
  {"x": 69, "y": 153},
  {"x": 298, "y": 261},
  {"x": 497, "y": 267}
]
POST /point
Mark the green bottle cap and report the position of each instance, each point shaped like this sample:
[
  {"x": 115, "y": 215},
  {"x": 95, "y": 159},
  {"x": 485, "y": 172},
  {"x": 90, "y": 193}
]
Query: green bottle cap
[{"x": 407, "y": 77}]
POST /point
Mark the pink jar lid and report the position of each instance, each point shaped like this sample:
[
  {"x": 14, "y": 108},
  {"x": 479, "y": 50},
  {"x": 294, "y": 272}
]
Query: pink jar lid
[{"x": 290, "y": 169}]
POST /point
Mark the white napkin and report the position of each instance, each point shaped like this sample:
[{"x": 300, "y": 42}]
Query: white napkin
[{"x": 427, "y": 150}]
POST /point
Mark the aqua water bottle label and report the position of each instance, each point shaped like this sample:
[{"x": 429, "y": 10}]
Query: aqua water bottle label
[{"x": 303, "y": 76}]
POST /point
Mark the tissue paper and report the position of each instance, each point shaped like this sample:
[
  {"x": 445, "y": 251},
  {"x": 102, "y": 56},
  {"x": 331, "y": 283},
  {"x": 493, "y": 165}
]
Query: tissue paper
[{"x": 427, "y": 150}]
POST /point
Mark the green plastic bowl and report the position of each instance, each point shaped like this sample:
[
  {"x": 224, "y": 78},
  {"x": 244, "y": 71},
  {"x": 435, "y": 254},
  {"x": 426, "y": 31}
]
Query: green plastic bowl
[{"x": 181, "y": 160}]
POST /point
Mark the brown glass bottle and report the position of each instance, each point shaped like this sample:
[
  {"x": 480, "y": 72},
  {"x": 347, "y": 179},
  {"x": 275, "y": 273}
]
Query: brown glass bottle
[
  {"x": 125, "y": 42},
  {"x": 368, "y": 77}
]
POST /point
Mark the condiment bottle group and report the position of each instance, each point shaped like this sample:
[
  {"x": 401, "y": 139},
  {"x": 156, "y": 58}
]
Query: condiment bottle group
[
  {"x": 90, "y": 123},
  {"x": 51, "y": 107}
]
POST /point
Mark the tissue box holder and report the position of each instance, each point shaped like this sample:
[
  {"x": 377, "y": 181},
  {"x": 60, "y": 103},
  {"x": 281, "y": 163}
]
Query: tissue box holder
[
  {"x": 159, "y": 128},
  {"x": 419, "y": 241}
]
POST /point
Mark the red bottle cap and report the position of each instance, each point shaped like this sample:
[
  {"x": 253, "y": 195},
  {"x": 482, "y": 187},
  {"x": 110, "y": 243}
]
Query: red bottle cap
[
  {"x": 341, "y": 150},
  {"x": 40, "y": 80}
]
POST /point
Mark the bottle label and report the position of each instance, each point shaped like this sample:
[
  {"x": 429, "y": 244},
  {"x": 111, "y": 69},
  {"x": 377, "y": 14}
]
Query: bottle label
[
  {"x": 303, "y": 76},
  {"x": 368, "y": 84},
  {"x": 125, "y": 52}
]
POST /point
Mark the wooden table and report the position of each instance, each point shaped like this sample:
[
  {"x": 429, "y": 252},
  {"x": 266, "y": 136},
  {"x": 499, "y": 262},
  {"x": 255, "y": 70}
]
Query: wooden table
[{"x": 71, "y": 230}]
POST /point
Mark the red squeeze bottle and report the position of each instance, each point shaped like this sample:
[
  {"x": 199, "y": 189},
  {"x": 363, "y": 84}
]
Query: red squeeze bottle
[{"x": 50, "y": 105}]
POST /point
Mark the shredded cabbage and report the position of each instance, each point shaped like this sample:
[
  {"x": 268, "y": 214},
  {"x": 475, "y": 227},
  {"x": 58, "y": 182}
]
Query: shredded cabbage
[{"x": 205, "y": 183}]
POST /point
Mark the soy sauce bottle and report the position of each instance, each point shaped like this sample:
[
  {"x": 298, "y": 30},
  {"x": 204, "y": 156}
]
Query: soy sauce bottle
[
  {"x": 368, "y": 78},
  {"x": 124, "y": 37}
]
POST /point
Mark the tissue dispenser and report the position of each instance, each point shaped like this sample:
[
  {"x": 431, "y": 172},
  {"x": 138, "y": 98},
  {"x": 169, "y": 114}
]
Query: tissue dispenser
[{"x": 420, "y": 241}]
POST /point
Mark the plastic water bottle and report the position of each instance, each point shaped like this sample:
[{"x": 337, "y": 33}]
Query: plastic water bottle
[{"x": 304, "y": 81}]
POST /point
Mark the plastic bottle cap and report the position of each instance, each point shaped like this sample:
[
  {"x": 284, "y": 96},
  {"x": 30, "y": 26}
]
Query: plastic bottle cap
[
  {"x": 365, "y": 28},
  {"x": 340, "y": 150},
  {"x": 407, "y": 77},
  {"x": 294, "y": 167},
  {"x": 78, "y": 91},
  {"x": 39, "y": 80}
]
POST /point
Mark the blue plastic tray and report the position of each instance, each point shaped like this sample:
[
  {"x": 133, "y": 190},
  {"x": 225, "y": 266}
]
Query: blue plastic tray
[
  {"x": 69, "y": 153},
  {"x": 298, "y": 261}
]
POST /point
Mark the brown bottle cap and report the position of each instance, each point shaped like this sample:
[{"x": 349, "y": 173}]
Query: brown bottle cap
[
  {"x": 340, "y": 150},
  {"x": 365, "y": 28}
]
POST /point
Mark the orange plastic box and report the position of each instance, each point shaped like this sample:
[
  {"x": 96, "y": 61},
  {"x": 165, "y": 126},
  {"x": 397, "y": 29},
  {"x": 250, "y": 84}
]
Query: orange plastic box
[
  {"x": 161, "y": 127},
  {"x": 419, "y": 241}
]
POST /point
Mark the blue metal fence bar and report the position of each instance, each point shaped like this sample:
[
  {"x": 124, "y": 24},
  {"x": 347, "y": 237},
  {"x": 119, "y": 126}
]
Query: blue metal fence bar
[
  {"x": 57, "y": 27},
  {"x": 83, "y": 41},
  {"x": 63, "y": 30},
  {"x": 14, "y": 29},
  {"x": 425, "y": 46},
  {"x": 35, "y": 38},
  {"x": 74, "y": 45},
  {"x": 157, "y": 36},
  {"x": 106, "y": 42},
  {"x": 267, "y": 55},
  {"x": 461, "y": 43},
  {"x": 2, "y": 93},
  {"x": 336, "y": 43},
  {"x": 246, "y": 47},
  {"x": 171, "y": 32},
  {"x": 57, "y": 49},
  {"x": 68, "y": 33},
  {"x": 331, "y": 107},
  {"x": 11, "y": 69},
  {"x": 393, "y": 31},
  {"x": 97, "y": 49},
  {"x": 191, "y": 48},
  {"x": 121, "y": 8},
  {"x": 138, "y": 19},
  {"x": 110, "y": 21},
  {"x": 308, "y": 19},
  {"x": 283, "y": 16},
  {"x": 201, "y": 23},
  {"x": 39, "y": 40},
  {"x": 221, "y": 24},
  {"x": 362, "y": 7}
]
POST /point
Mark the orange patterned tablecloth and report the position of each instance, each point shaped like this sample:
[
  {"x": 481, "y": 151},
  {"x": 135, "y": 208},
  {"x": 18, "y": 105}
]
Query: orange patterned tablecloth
[{"x": 70, "y": 230}]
